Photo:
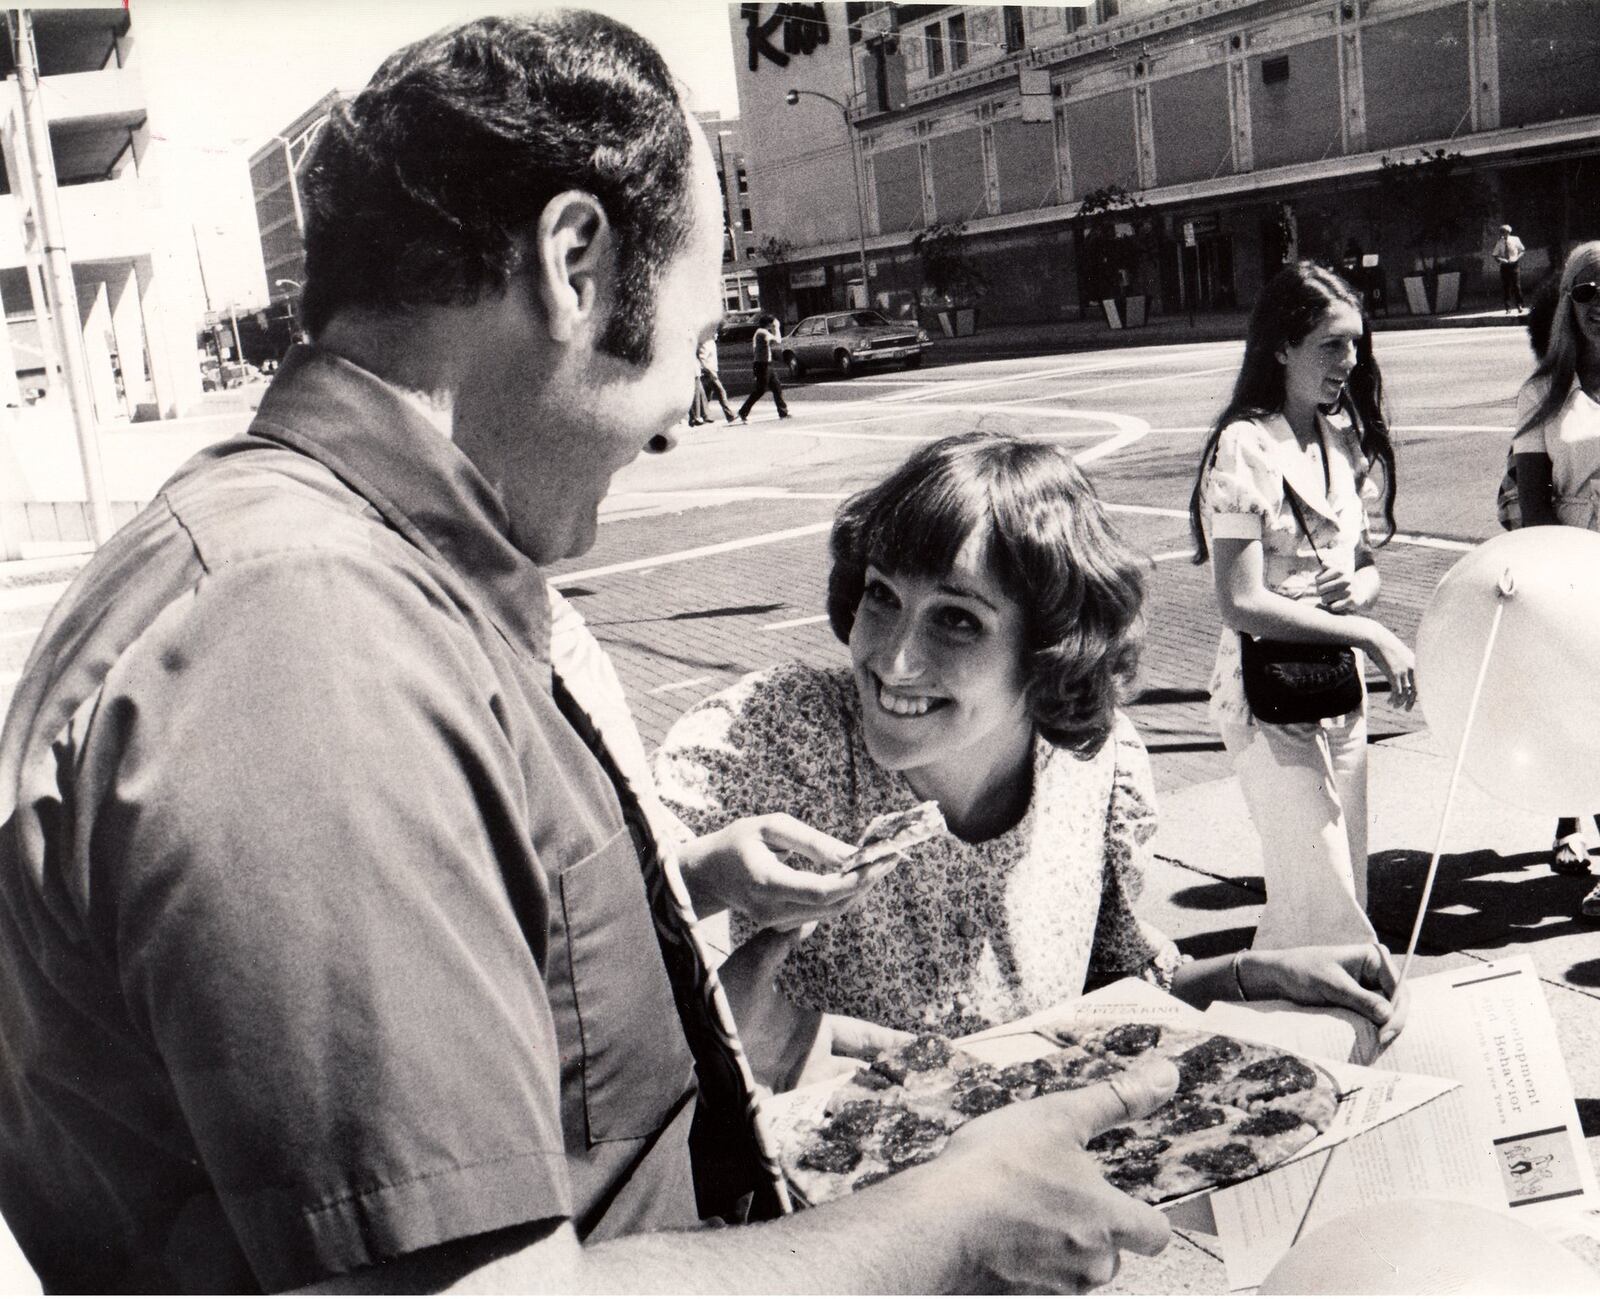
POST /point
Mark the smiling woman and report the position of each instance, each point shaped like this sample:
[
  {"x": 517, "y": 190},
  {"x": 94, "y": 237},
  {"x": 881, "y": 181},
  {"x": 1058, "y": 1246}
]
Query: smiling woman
[{"x": 992, "y": 615}]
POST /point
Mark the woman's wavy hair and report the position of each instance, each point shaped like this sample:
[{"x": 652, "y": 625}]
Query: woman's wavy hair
[
  {"x": 1289, "y": 308},
  {"x": 423, "y": 189},
  {"x": 1048, "y": 544},
  {"x": 1558, "y": 364}
]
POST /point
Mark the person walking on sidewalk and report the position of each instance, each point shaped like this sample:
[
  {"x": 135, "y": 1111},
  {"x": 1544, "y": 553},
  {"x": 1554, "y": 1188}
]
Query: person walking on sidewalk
[
  {"x": 762, "y": 343},
  {"x": 1557, "y": 455},
  {"x": 1280, "y": 506},
  {"x": 710, "y": 382},
  {"x": 1508, "y": 251}
]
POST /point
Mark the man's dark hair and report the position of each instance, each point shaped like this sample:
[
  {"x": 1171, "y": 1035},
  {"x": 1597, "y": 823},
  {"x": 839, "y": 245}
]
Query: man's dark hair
[{"x": 420, "y": 189}]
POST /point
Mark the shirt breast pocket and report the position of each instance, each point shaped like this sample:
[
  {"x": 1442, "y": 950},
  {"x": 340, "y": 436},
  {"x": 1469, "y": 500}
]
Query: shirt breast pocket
[{"x": 625, "y": 1064}]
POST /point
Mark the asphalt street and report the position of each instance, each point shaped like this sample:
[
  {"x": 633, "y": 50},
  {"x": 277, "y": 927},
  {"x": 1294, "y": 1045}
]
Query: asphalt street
[{"x": 712, "y": 558}]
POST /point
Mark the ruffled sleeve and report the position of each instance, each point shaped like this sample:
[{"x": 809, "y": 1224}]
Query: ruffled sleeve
[
  {"x": 1243, "y": 486},
  {"x": 1532, "y": 441},
  {"x": 773, "y": 742},
  {"x": 1123, "y": 944}
]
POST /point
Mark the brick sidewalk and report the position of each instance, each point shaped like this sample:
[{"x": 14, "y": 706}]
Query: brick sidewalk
[{"x": 680, "y": 631}]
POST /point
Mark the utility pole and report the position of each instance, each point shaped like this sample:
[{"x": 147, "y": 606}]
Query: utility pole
[{"x": 61, "y": 292}]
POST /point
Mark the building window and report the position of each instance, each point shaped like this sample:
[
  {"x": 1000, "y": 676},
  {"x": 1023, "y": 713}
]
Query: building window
[
  {"x": 958, "y": 41},
  {"x": 1076, "y": 16},
  {"x": 1274, "y": 70},
  {"x": 933, "y": 38},
  {"x": 1016, "y": 38},
  {"x": 1109, "y": 9},
  {"x": 744, "y": 220},
  {"x": 744, "y": 181}
]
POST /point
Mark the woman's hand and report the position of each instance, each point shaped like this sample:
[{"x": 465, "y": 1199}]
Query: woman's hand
[
  {"x": 787, "y": 1045},
  {"x": 1359, "y": 977},
  {"x": 1342, "y": 587},
  {"x": 1398, "y": 664},
  {"x": 738, "y": 867}
]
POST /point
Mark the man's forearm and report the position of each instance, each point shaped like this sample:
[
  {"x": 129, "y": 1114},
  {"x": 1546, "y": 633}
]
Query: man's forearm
[{"x": 907, "y": 1236}]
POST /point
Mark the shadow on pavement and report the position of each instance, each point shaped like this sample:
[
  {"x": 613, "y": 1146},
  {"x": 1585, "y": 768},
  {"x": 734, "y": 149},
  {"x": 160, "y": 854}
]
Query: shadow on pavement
[
  {"x": 1223, "y": 895},
  {"x": 1217, "y": 942},
  {"x": 1474, "y": 905}
]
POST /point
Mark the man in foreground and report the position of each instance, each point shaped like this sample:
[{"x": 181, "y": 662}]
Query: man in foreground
[{"x": 333, "y": 948}]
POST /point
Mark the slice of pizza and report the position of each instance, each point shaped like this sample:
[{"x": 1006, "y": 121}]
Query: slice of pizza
[
  {"x": 1240, "y": 1109},
  {"x": 895, "y": 832}
]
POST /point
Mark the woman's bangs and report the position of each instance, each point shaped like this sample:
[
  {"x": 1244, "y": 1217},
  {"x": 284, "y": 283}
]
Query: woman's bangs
[{"x": 921, "y": 533}]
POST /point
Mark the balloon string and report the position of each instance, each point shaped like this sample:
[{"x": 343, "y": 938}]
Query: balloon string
[{"x": 1455, "y": 777}]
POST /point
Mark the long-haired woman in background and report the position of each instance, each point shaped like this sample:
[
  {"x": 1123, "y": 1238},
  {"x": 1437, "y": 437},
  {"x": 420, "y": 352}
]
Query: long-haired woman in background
[
  {"x": 1280, "y": 506},
  {"x": 1557, "y": 450}
]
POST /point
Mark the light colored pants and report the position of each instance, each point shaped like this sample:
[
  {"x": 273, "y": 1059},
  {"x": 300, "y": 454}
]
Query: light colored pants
[{"x": 1306, "y": 788}]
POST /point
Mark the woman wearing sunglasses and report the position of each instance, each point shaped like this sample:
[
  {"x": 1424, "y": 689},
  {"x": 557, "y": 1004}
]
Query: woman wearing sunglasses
[{"x": 1557, "y": 448}]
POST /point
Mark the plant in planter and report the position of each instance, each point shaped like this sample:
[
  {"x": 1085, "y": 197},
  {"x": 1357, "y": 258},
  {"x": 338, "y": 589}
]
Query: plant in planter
[
  {"x": 1437, "y": 200},
  {"x": 951, "y": 285},
  {"x": 1110, "y": 253}
]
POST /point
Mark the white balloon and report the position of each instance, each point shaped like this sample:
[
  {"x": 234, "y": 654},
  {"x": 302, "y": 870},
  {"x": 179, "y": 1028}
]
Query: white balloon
[
  {"x": 1535, "y": 741},
  {"x": 1406, "y": 1247}
]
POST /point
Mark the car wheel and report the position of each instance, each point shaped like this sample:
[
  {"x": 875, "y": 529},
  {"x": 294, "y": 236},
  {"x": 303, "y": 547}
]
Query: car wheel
[
  {"x": 914, "y": 362},
  {"x": 794, "y": 365},
  {"x": 845, "y": 362}
]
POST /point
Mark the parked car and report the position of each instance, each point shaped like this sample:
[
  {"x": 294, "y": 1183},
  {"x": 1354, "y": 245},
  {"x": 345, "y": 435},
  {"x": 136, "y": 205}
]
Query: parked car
[
  {"x": 847, "y": 340},
  {"x": 735, "y": 364}
]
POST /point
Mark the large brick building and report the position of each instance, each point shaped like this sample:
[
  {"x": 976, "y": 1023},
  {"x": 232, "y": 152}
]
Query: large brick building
[{"x": 1246, "y": 131}]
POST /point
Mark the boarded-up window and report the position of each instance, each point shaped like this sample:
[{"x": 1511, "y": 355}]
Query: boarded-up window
[{"x": 898, "y": 181}]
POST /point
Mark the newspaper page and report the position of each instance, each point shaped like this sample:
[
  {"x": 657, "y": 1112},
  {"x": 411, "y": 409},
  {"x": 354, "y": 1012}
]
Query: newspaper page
[{"x": 1508, "y": 1139}]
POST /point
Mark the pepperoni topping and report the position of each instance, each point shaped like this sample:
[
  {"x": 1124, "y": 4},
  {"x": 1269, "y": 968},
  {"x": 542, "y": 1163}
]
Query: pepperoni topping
[
  {"x": 1282, "y": 1075},
  {"x": 1268, "y": 1123},
  {"x": 831, "y": 1156},
  {"x": 1132, "y": 1039},
  {"x": 1223, "y": 1162}
]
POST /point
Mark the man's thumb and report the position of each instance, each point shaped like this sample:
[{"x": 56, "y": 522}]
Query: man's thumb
[{"x": 1129, "y": 1095}]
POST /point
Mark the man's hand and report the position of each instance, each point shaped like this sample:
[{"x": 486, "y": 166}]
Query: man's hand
[
  {"x": 1360, "y": 977},
  {"x": 789, "y": 1046},
  {"x": 1048, "y": 1221},
  {"x": 738, "y": 867}
]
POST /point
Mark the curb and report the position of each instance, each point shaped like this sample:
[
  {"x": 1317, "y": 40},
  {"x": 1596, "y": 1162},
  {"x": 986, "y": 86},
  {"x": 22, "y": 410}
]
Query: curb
[{"x": 40, "y": 572}]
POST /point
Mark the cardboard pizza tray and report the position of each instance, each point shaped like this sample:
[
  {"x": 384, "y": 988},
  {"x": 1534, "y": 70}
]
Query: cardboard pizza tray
[{"x": 1368, "y": 1097}]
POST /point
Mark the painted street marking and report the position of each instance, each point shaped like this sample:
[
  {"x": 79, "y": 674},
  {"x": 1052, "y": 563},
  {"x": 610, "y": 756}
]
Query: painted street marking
[
  {"x": 681, "y": 685},
  {"x": 698, "y": 552},
  {"x": 795, "y": 622}
]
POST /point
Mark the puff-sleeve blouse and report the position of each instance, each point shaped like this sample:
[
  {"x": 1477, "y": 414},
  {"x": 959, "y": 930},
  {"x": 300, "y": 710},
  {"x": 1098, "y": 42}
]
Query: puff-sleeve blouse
[{"x": 959, "y": 935}]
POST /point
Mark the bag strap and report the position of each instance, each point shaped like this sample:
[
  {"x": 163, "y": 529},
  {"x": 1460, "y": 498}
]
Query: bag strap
[{"x": 1294, "y": 496}]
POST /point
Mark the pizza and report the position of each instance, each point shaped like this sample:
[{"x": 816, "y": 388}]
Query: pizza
[
  {"x": 895, "y": 832},
  {"x": 1240, "y": 1109}
]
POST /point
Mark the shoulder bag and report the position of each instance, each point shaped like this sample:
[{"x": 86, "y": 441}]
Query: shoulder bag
[{"x": 1286, "y": 682}]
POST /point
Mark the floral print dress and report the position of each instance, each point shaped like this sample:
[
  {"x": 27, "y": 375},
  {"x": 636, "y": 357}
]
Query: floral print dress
[{"x": 960, "y": 935}]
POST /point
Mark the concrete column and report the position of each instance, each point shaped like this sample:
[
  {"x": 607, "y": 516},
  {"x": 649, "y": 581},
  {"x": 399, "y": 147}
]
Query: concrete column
[
  {"x": 94, "y": 315},
  {"x": 1144, "y": 134},
  {"x": 127, "y": 325},
  {"x": 1483, "y": 35},
  {"x": 1244, "y": 151},
  {"x": 170, "y": 336},
  {"x": 1352, "y": 87},
  {"x": 1064, "y": 191}
]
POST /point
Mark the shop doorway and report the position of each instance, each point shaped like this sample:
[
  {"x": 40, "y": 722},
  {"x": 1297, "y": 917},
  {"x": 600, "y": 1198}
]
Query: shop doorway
[{"x": 1200, "y": 278}]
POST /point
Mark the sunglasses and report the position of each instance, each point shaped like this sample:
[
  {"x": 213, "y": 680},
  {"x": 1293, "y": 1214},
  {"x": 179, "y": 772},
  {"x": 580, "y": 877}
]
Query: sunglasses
[{"x": 1583, "y": 294}]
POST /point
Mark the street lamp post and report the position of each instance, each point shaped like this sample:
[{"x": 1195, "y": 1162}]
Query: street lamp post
[
  {"x": 294, "y": 314},
  {"x": 793, "y": 98}
]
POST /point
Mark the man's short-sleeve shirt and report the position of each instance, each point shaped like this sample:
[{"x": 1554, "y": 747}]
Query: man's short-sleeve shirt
[{"x": 322, "y": 939}]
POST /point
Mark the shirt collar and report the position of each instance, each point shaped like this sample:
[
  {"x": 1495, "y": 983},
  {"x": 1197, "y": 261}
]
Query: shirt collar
[
  {"x": 376, "y": 438},
  {"x": 1296, "y": 469}
]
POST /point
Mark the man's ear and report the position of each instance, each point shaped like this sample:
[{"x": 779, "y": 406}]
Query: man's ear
[{"x": 571, "y": 260}]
